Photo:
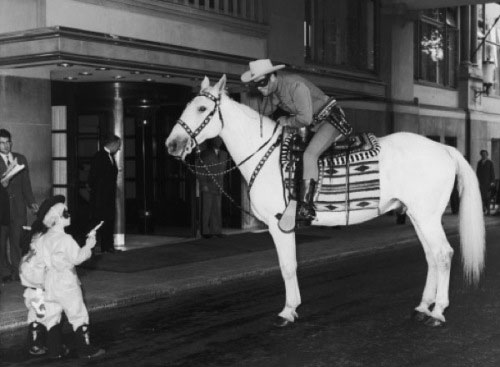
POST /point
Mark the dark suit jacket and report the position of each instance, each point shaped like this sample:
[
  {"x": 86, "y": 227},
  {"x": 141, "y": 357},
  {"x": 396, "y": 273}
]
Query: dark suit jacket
[
  {"x": 102, "y": 182},
  {"x": 485, "y": 173},
  {"x": 216, "y": 164},
  {"x": 19, "y": 192}
]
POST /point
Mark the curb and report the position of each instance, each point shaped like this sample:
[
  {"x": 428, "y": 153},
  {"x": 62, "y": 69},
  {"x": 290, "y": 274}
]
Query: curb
[{"x": 149, "y": 294}]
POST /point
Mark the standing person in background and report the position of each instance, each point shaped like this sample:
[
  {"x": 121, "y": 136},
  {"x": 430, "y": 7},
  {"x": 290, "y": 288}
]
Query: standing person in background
[
  {"x": 216, "y": 161},
  {"x": 486, "y": 176},
  {"x": 17, "y": 195},
  {"x": 102, "y": 183}
]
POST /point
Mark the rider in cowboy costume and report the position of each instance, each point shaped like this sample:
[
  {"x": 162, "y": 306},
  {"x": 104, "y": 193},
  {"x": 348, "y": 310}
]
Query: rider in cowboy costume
[{"x": 307, "y": 106}]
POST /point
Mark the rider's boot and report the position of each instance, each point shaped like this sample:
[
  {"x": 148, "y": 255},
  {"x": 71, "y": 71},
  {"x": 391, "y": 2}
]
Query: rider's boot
[{"x": 306, "y": 212}]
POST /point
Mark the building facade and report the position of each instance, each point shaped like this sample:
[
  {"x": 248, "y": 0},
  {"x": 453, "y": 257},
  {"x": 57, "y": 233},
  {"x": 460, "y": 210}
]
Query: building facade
[{"x": 72, "y": 71}]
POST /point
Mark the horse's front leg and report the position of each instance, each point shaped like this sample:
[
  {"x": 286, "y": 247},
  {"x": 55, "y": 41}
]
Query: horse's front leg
[{"x": 287, "y": 256}]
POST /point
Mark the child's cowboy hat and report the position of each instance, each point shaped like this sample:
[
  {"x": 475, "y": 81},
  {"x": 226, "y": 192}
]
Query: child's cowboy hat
[
  {"x": 47, "y": 204},
  {"x": 259, "y": 68}
]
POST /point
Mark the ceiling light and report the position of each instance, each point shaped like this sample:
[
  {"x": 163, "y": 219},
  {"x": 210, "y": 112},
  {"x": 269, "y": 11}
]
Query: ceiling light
[
  {"x": 102, "y": 68},
  {"x": 149, "y": 80},
  {"x": 70, "y": 78},
  {"x": 166, "y": 76},
  {"x": 118, "y": 77},
  {"x": 136, "y": 72},
  {"x": 65, "y": 64},
  {"x": 85, "y": 73}
]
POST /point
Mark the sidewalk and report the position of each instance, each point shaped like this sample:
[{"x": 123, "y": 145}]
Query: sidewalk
[{"x": 107, "y": 289}]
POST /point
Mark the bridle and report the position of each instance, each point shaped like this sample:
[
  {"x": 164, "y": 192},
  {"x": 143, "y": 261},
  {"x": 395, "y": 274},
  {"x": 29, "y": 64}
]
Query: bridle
[
  {"x": 207, "y": 119},
  {"x": 205, "y": 122}
]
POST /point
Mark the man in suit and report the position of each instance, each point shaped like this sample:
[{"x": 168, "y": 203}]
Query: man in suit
[
  {"x": 15, "y": 196},
  {"x": 216, "y": 161},
  {"x": 102, "y": 183}
]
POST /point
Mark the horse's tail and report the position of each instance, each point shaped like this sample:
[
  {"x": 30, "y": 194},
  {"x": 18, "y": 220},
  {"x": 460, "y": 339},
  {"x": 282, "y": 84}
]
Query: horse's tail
[{"x": 472, "y": 230}]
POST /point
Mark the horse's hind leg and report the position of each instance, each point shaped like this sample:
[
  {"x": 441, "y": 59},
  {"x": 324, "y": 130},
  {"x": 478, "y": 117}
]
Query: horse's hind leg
[
  {"x": 286, "y": 249},
  {"x": 438, "y": 253}
]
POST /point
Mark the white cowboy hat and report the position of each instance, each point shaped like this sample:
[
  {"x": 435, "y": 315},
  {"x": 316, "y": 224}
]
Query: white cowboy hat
[{"x": 259, "y": 68}]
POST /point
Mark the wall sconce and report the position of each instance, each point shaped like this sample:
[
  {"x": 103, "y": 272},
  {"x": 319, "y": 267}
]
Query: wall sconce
[{"x": 488, "y": 79}]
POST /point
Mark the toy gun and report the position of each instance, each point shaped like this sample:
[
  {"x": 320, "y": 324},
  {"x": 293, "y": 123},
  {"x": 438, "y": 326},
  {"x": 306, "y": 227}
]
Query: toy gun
[{"x": 93, "y": 231}]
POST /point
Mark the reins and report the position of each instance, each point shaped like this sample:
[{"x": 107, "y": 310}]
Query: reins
[{"x": 208, "y": 173}]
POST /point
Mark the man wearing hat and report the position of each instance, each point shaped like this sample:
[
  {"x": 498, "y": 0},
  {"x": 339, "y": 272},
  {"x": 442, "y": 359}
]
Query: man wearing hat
[
  {"x": 60, "y": 253},
  {"x": 307, "y": 106}
]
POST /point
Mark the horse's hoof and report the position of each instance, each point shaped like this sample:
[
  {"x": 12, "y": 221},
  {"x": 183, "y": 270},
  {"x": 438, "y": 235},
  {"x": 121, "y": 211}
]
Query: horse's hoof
[
  {"x": 419, "y": 316},
  {"x": 282, "y": 322},
  {"x": 433, "y": 322}
]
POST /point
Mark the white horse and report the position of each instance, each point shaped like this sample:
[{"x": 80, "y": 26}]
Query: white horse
[{"x": 415, "y": 172}]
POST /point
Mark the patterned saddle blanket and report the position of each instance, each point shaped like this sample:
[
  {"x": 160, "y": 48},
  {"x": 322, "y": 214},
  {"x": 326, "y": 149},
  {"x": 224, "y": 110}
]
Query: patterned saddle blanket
[{"x": 348, "y": 173}]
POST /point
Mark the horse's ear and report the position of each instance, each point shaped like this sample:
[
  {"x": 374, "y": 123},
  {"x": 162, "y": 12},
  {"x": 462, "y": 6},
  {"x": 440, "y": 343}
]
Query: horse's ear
[
  {"x": 205, "y": 83},
  {"x": 221, "y": 84}
]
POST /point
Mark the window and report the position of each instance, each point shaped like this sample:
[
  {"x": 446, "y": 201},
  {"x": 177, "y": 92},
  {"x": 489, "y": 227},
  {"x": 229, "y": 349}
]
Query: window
[
  {"x": 340, "y": 33},
  {"x": 436, "y": 45},
  {"x": 489, "y": 31}
]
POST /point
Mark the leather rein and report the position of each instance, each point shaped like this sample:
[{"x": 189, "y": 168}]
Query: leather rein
[{"x": 206, "y": 121}]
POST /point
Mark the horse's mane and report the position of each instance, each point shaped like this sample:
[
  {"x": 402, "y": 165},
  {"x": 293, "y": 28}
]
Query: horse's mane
[{"x": 249, "y": 111}]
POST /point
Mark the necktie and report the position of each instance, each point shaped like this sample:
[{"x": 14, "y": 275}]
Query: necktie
[{"x": 8, "y": 160}]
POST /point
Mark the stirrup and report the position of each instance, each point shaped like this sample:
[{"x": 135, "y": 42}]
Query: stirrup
[{"x": 306, "y": 212}]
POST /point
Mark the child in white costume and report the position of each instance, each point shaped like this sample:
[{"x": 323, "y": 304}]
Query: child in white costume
[{"x": 62, "y": 292}]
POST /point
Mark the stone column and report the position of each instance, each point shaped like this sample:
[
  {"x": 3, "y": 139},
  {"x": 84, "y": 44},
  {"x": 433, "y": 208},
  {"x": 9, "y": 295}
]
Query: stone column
[{"x": 119, "y": 235}]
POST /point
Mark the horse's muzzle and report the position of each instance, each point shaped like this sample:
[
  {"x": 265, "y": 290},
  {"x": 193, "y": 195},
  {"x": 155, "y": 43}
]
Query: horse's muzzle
[{"x": 179, "y": 147}]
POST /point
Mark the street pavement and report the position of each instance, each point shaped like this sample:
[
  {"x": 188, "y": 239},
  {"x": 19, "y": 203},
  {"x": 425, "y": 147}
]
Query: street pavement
[{"x": 108, "y": 289}]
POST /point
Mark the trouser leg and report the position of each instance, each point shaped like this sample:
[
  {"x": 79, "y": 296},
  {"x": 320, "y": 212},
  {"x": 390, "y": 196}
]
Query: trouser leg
[
  {"x": 14, "y": 246},
  {"x": 106, "y": 234},
  {"x": 4, "y": 259},
  {"x": 321, "y": 140},
  {"x": 74, "y": 307},
  {"x": 216, "y": 217},
  {"x": 207, "y": 203}
]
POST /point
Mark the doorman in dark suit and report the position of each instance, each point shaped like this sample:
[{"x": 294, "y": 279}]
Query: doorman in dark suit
[
  {"x": 216, "y": 161},
  {"x": 16, "y": 195},
  {"x": 102, "y": 184}
]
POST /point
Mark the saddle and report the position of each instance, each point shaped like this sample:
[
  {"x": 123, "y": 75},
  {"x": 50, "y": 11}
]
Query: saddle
[{"x": 348, "y": 173}]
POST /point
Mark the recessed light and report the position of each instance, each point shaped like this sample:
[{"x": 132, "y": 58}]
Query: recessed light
[
  {"x": 65, "y": 64},
  {"x": 118, "y": 77},
  {"x": 85, "y": 73},
  {"x": 102, "y": 68},
  {"x": 166, "y": 76},
  {"x": 70, "y": 78},
  {"x": 149, "y": 80},
  {"x": 136, "y": 72}
]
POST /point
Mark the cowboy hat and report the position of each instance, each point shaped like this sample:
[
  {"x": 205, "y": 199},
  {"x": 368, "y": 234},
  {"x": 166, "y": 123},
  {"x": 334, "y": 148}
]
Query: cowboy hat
[
  {"x": 47, "y": 204},
  {"x": 259, "y": 68}
]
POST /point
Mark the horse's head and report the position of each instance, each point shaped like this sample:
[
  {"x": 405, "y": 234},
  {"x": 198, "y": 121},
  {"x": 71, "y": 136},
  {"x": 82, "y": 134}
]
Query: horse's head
[{"x": 200, "y": 120}]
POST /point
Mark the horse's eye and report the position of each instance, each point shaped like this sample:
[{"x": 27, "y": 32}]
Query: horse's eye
[{"x": 202, "y": 109}]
